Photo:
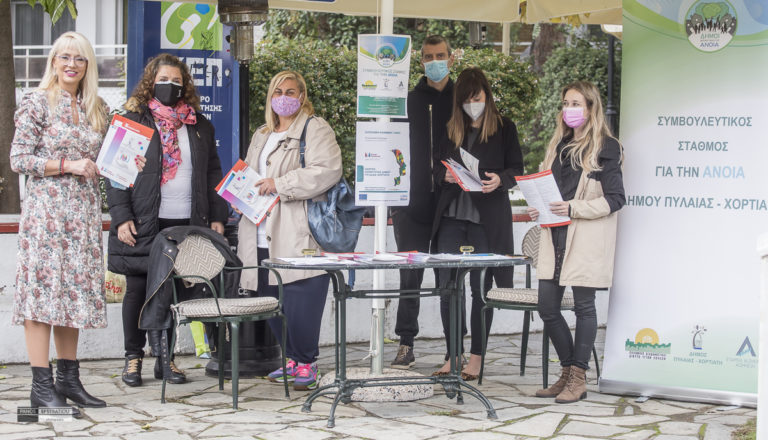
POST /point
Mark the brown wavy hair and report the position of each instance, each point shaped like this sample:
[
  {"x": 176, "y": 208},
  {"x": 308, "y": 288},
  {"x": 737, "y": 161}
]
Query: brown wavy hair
[{"x": 145, "y": 89}]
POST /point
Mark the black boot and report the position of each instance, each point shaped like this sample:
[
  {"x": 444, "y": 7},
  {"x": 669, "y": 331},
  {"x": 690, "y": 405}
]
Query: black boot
[
  {"x": 132, "y": 370},
  {"x": 175, "y": 375},
  {"x": 164, "y": 366},
  {"x": 68, "y": 385},
  {"x": 44, "y": 393}
]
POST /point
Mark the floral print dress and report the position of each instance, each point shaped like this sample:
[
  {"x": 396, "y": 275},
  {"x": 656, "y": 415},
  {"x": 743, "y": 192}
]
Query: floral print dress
[{"x": 60, "y": 272}]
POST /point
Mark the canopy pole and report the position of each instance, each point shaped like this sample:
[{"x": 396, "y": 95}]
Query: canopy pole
[
  {"x": 505, "y": 38},
  {"x": 377, "y": 312}
]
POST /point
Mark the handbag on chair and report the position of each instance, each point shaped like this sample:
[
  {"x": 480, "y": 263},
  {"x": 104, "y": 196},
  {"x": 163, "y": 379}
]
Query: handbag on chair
[{"x": 335, "y": 223}]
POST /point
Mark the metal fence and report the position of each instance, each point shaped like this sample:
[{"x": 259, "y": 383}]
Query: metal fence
[{"x": 29, "y": 64}]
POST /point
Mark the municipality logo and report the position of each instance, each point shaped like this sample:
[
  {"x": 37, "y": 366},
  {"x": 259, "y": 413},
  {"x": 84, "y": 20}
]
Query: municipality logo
[
  {"x": 190, "y": 26},
  {"x": 710, "y": 26}
]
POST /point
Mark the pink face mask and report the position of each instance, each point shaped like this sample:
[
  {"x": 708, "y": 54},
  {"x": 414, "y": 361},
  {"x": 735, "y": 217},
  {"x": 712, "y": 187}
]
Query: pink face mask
[
  {"x": 573, "y": 116},
  {"x": 285, "y": 105}
]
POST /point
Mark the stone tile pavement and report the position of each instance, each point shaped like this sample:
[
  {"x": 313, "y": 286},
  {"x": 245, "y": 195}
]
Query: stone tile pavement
[{"x": 198, "y": 409}]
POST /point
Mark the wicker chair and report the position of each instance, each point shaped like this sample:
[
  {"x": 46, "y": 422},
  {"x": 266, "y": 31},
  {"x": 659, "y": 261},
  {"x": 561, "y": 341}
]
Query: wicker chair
[
  {"x": 198, "y": 261},
  {"x": 526, "y": 300}
]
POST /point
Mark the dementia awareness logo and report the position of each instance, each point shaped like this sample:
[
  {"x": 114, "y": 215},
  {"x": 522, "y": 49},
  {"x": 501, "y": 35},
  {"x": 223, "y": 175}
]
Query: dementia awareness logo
[
  {"x": 190, "y": 26},
  {"x": 710, "y": 26}
]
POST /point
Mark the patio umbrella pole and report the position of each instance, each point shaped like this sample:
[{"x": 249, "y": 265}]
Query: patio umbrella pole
[{"x": 377, "y": 318}]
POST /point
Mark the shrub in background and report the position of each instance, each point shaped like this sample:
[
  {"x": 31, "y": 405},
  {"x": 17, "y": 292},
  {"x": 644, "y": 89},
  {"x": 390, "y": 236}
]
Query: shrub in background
[
  {"x": 331, "y": 75},
  {"x": 586, "y": 60}
]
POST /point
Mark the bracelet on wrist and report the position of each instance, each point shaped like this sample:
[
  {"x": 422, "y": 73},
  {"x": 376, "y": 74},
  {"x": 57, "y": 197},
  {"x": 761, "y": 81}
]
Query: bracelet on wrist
[{"x": 61, "y": 167}]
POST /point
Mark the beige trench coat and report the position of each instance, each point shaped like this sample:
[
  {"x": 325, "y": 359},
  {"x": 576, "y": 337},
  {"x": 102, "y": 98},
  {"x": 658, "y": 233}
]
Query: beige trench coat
[
  {"x": 287, "y": 227},
  {"x": 590, "y": 244}
]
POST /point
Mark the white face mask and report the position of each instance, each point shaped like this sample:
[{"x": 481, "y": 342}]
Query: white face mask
[{"x": 473, "y": 109}]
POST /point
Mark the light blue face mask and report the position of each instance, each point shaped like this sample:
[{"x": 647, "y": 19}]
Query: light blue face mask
[{"x": 436, "y": 70}]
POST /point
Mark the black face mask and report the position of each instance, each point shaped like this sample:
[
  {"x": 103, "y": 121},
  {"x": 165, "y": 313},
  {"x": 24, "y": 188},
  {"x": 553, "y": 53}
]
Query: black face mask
[{"x": 168, "y": 93}]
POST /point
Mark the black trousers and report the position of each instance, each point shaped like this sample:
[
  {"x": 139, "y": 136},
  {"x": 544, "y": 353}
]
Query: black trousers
[
  {"x": 451, "y": 235},
  {"x": 571, "y": 351},
  {"x": 134, "y": 338},
  {"x": 303, "y": 304},
  {"x": 410, "y": 235}
]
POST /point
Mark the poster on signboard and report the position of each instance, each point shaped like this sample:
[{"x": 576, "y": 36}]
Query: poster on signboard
[
  {"x": 194, "y": 33},
  {"x": 383, "y": 158},
  {"x": 383, "y": 65},
  {"x": 683, "y": 319}
]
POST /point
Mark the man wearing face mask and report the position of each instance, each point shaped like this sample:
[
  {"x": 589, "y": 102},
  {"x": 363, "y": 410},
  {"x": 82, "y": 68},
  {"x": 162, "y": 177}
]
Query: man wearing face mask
[
  {"x": 176, "y": 187},
  {"x": 429, "y": 108}
]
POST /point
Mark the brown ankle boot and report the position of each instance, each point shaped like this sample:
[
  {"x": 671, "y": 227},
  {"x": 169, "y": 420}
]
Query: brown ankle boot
[
  {"x": 575, "y": 388},
  {"x": 557, "y": 387}
]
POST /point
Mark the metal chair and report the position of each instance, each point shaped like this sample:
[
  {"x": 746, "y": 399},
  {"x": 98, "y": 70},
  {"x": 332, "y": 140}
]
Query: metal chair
[
  {"x": 526, "y": 300},
  {"x": 198, "y": 261}
]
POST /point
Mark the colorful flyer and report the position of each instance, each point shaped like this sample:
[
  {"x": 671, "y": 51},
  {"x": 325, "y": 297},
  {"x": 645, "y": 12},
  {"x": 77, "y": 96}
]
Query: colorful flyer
[
  {"x": 239, "y": 188},
  {"x": 383, "y": 65},
  {"x": 125, "y": 140},
  {"x": 383, "y": 157}
]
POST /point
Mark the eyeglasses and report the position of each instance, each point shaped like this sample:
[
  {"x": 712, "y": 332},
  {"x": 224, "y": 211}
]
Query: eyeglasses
[{"x": 79, "y": 61}]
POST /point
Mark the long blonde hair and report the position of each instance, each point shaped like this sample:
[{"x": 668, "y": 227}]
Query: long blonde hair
[
  {"x": 270, "y": 116},
  {"x": 469, "y": 84},
  {"x": 89, "y": 85},
  {"x": 582, "y": 152}
]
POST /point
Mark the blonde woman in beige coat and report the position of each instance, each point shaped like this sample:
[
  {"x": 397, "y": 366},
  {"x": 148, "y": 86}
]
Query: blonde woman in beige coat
[
  {"x": 586, "y": 163},
  {"x": 274, "y": 153}
]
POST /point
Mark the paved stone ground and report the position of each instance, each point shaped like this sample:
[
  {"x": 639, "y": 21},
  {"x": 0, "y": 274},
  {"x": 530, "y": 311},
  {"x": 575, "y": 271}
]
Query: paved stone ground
[{"x": 198, "y": 410}]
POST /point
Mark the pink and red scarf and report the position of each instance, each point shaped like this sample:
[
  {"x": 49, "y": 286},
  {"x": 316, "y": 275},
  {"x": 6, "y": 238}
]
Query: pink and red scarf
[{"x": 170, "y": 119}]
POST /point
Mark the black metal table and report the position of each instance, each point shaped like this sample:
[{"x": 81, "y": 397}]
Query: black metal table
[{"x": 452, "y": 383}]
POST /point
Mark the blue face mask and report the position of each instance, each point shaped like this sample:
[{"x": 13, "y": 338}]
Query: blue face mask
[{"x": 436, "y": 70}]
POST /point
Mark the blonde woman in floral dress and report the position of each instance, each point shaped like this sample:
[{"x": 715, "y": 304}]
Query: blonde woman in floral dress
[{"x": 60, "y": 274}]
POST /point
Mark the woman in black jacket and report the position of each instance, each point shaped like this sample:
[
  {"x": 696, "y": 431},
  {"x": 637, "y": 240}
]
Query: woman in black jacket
[
  {"x": 482, "y": 219},
  {"x": 176, "y": 187}
]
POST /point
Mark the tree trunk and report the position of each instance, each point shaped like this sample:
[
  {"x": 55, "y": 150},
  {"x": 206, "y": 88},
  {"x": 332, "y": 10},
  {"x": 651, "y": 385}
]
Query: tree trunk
[
  {"x": 9, "y": 197},
  {"x": 550, "y": 36}
]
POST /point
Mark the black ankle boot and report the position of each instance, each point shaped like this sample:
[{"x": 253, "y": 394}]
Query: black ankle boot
[
  {"x": 68, "y": 385},
  {"x": 132, "y": 370},
  {"x": 175, "y": 375},
  {"x": 164, "y": 366},
  {"x": 44, "y": 393}
]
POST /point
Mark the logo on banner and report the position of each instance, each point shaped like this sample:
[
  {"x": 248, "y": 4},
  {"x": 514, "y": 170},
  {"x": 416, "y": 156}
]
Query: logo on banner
[
  {"x": 698, "y": 336},
  {"x": 190, "y": 26},
  {"x": 710, "y": 26},
  {"x": 647, "y": 346},
  {"x": 369, "y": 85},
  {"x": 746, "y": 348}
]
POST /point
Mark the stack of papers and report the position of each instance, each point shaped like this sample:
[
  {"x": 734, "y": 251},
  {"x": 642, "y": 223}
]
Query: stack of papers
[{"x": 239, "y": 188}]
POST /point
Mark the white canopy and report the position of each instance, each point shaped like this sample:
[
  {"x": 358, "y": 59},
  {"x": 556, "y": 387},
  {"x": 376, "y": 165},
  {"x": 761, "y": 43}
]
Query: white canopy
[{"x": 491, "y": 11}]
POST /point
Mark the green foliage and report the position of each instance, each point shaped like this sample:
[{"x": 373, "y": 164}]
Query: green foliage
[
  {"x": 56, "y": 8},
  {"x": 331, "y": 75},
  {"x": 586, "y": 60},
  {"x": 342, "y": 30}
]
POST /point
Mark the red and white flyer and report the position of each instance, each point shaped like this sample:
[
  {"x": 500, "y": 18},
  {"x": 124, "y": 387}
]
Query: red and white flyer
[{"x": 540, "y": 190}]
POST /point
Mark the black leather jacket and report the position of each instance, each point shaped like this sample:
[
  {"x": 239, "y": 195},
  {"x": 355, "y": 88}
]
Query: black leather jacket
[{"x": 156, "y": 312}]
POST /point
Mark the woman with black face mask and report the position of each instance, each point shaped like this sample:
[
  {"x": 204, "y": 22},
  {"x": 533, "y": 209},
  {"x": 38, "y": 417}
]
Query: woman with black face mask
[{"x": 176, "y": 187}]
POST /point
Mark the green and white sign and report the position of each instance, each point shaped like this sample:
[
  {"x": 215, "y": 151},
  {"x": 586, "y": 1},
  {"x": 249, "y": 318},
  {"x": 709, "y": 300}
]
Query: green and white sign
[
  {"x": 683, "y": 317},
  {"x": 190, "y": 26},
  {"x": 383, "y": 65}
]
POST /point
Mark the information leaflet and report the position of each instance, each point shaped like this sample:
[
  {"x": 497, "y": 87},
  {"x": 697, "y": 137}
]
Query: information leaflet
[{"x": 383, "y": 173}]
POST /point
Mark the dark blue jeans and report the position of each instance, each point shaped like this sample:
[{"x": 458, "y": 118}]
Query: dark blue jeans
[
  {"x": 303, "y": 304},
  {"x": 571, "y": 351}
]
